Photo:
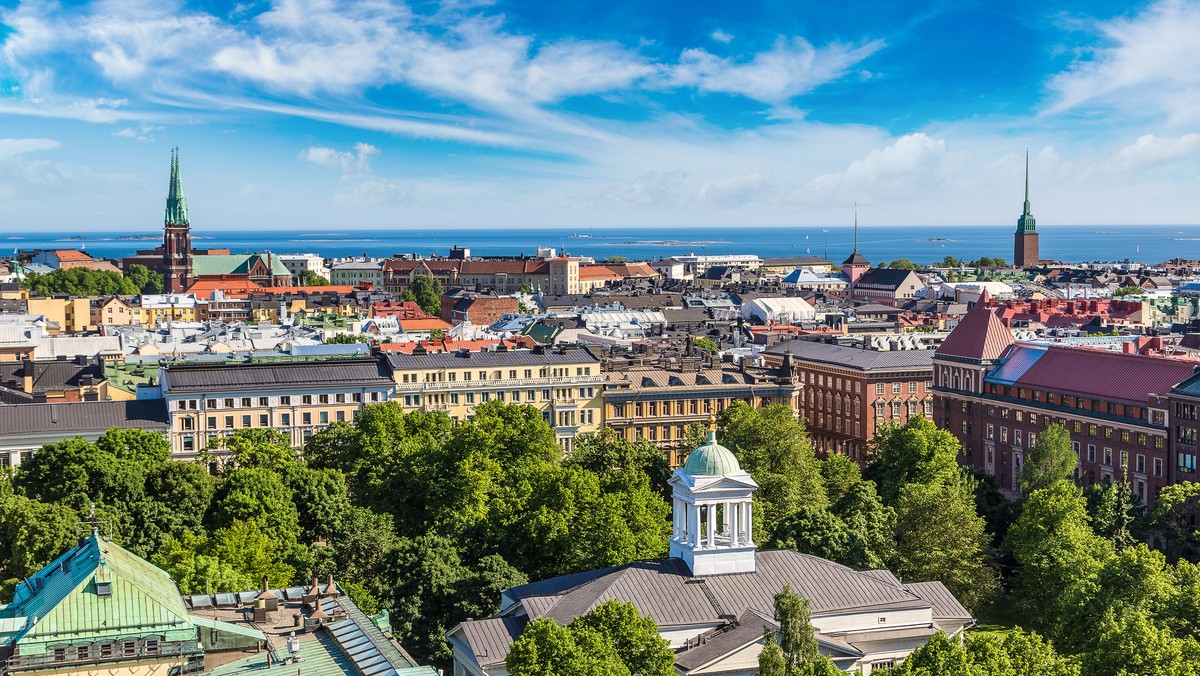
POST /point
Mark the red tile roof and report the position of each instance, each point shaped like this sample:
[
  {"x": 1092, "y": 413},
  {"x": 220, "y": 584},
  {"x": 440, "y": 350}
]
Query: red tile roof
[
  {"x": 980, "y": 335},
  {"x": 71, "y": 255},
  {"x": 1101, "y": 374}
]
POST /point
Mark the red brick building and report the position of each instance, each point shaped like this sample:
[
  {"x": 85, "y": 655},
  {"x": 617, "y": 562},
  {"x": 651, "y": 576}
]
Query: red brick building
[
  {"x": 848, "y": 392},
  {"x": 997, "y": 395}
]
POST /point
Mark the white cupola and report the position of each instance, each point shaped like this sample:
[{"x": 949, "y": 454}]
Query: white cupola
[{"x": 712, "y": 510}]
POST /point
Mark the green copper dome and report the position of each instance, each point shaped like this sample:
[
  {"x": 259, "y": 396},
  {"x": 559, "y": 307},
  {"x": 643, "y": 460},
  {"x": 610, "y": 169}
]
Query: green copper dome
[{"x": 711, "y": 459}]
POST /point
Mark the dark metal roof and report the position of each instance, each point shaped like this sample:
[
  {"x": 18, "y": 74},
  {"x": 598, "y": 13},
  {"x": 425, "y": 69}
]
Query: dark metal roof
[
  {"x": 490, "y": 639},
  {"x": 82, "y": 417},
  {"x": 199, "y": 378},
  {"x": 748, "y": 629},
  {"x": 945, "y": 606},
  {"x": 548, "y": 356},
  {"x": 855, "y": 358}
]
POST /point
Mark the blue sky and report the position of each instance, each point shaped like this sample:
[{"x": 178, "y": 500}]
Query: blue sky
[{"x": 380, "y": 113}]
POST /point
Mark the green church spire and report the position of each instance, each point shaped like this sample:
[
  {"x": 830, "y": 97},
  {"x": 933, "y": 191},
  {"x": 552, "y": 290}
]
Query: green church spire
[
  {"x": 1026, "y": 223},
  {"x": 176, "y": 202}
]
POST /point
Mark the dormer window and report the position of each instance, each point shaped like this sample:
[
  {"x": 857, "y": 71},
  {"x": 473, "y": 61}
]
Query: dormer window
[{"x": 103, "y": 588}]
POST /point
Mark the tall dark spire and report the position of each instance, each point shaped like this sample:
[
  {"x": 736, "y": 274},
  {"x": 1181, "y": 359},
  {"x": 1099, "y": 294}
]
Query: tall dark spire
[
  {"x": 176, "y": 202},
  {"x": 1026, "y": 223},
  {"x": 856, "y": 227}
]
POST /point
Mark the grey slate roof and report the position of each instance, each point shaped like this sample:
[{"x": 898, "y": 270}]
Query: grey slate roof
[
  {"x": 665, "y": 589},
  {"x": 81, "y": 417},
  {"x": 490, "y": 638},
  {"x": 200, "y": 378},
  {"x": 748, "y": 629},
  {"x": 945, "y": 606},
  {"x": 452, "y": 360},
  {"x": 855, "y": 358},
  {"x": 50, "y": 376}
]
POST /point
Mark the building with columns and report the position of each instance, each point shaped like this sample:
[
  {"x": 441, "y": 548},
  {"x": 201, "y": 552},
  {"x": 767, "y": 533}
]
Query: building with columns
[{"x": 713, "y": 598}]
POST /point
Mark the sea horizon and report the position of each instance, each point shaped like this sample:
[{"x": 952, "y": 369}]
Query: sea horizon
[{"x": 921, "y": 244}]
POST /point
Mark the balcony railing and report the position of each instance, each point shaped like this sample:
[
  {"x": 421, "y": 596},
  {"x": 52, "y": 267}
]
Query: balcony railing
[{"x": 500, "y": 384}]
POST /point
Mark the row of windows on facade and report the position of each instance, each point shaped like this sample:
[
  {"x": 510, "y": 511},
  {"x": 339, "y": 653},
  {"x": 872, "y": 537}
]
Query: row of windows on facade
[
  {"x": 91, "y": 651},
  {"x": 264, "y": 420},
  {"x": 1107, "y": 457},
  {"x": 1081, "y": 403},
  {"x": 514, "y": 396},
  {"x": 822, "y": 380},
  {"x": 285, "y": 400},
  {"x": 1076, "y": 426},
  {"x": 452, "y": 376}
]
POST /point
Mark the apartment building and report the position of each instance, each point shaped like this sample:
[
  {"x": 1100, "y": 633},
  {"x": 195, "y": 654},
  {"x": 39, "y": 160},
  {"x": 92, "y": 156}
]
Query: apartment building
[
  {"x": 996, "y": 395},
  {"x": 849, "y": 392},
  {"x": 658, "y": 402},
  {"x": 207, "y": 401},
  {"x": 565, "y": 383}
]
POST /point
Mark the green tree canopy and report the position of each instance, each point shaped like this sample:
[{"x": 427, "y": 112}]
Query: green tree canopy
[
  {"x": 772, "y": 445},
  {"x": 144, "y": 279},
  {"x": 940, "y": 536},
  {"x": 81, "y": 282},
  {"x": 255, "y": 448},
  {"x": 1055, "y": 550},
  {"x": 792, "y": 650},
  {"x": 312, "y": 278},
  {"x": 1051, "y": 459},
  {"x": 427, "y": 293},
  {"x": 914, "y": 453},
  {"x": 548, "y": 649}
]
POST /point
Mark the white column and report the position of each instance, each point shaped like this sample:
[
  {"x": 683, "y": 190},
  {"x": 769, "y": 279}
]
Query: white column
[
  {"x": 694, "y": 527},
  {"x": 749, "y": 522},
  {"x": 675, "y": 518},
  {"x": 712, "y": 525},
  {"x": 732, "y": 518}
]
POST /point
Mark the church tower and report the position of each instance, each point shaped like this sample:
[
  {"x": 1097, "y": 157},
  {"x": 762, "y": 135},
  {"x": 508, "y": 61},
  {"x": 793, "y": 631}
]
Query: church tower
[
  {"x": 712, "y": 512},
  {"x": 177, "y": 235},
  {"x": 1025, "y": 240},
  {"x": 856, "y": 265}
]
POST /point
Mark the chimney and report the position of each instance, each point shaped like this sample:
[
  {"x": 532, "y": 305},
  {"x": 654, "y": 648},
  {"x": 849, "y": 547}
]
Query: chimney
[
  {"x": 313, "y": 592},
  {"x": 330, "y": 588},
  {"x": 30, "y": 371}
]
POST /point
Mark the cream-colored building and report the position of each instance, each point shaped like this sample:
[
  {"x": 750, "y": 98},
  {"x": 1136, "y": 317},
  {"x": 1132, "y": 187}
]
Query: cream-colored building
[
  {"x": 208, "y": 401},
  {"x": 565, "y": 383}
]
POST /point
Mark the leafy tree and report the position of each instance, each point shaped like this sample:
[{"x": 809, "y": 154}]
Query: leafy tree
[
  {"x": 548, "y": 649},
  {"x": 145, "y": 279},
  {"x": 617, "y": 259},
  {"x": 236, "y": 557},
  {"x": 1136, "y": 579},
  {"x": 914, "y": 453},
  {"x": 1055, "y": 549},
  {"x": 997, "y": 510},
  {"x": 312, "y": 278},
  {"x": 427, "y": 293},
  {"x": 1132, "y": 642},
  {"x": 321, "y": 500},
  {"x": 855, "y": 531},
  {"x": 1018, "y": 654},
  {"x": 194, "y": 570},
  {"x": 940, "y": 536},
  {"x": 1051, "y": 459},
  {"x": 345, "y": 339},
  {"x": 1173, "y": 520},
  {"x": 259, "y": 495},
  {"x": 951, "y": 262},
  {"x": 634, "y": 637},
  {"x": 901, "y": 264},
  {"x": 1128, "y": 291},
  {"x": 1112, "y": 510},
  {"x": 988, "y": 262},
  {"x": 705, "y": 345},
  {"x": 81, "y": 282},
  {"x": 525, "y": 289},
  {"x": 772, "y": 445},
  {"x": 430, "y": 589},
  {"x": 256, "y": 447},
  {"x": 436, "y": 334},
  {"x": 813, "y": 529},
  {"x": 607, "y": 453},
  {"x": 792, "y": 651},
  {"x": 940, "y": 656},
  {"x": 32, "y": 534}
]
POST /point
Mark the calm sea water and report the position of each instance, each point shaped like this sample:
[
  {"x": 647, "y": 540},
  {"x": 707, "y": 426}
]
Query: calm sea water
[{"x": 1074, "y": 244}]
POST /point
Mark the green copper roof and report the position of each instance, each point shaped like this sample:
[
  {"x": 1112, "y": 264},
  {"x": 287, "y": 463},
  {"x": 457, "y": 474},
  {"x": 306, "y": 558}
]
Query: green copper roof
[
  {"x": 97, "y": 591},
  {"x": 711, "y": 459},
  {"x": 234, "y": 264},
  {"x": 1026, "y": 223},
  {"x": 176, "y": 202}
]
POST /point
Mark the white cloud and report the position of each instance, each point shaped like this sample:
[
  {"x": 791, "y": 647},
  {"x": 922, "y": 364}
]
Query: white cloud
[
  {"x": 355, "y": 169},
  {"x": 735, "y": 191},
  {"x": 790, "y": 68},
  {"x": 1149, "y": 63},
  {"x": 898, "y": 171},
  {"x": 721, "y": 36},
  {"x": 1150, "y": 150},
  {"x": 10, "y": 147}
]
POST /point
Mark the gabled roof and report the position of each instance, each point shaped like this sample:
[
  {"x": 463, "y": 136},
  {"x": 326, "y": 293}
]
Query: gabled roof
[
  {"x": 1099, "y": 374},
  {"x": 66, "y": 599},
  {"x": 82, "y": 417},
  {"x": 980, "y": 336}
]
